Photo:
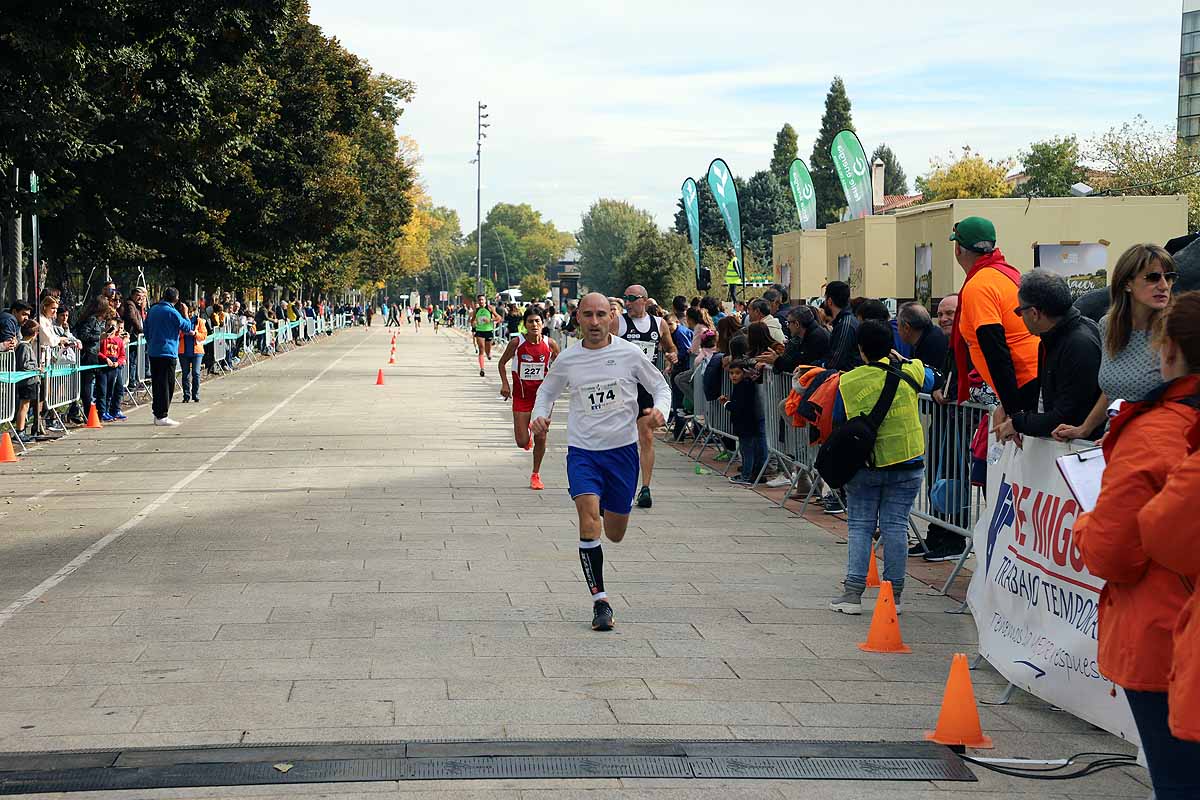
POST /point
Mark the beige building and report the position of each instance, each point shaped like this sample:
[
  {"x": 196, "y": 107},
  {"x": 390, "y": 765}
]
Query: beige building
[
  {"x": 1080, "y": 237},
  {"x": 800, "y": 262},
  {"x": 862, "y": 252}
]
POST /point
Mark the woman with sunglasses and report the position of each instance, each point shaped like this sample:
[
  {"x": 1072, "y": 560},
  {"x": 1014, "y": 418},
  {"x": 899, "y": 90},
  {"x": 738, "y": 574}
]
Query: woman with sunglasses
[{"x": 1139, "y": 291}]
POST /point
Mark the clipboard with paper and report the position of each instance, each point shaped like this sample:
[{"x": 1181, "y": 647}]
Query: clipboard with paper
[{"x": 1083, "y": 471}]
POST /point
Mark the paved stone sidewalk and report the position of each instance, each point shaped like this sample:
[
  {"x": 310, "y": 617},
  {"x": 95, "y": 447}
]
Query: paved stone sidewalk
[{"x": 367, "y": 563}]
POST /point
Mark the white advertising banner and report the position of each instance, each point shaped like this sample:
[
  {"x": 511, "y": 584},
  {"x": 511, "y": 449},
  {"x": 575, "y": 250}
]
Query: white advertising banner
[{"x": 1035, "y": 604}]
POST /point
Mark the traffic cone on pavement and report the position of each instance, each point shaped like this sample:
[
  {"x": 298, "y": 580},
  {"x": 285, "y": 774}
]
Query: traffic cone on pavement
[
  {"x": 392, "y": 358},
  {"x": 93, "y": 418},
  {"x": 873, "y": 572},
  {"x": 884, "y": 635},
  {"x": 7, "y": 456},
  {"x": 958, "y": 722},
  {"x": 379, "y": 379}
]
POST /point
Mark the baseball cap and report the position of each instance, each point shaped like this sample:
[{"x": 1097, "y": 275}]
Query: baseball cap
[{"x": 975, "y": 233}]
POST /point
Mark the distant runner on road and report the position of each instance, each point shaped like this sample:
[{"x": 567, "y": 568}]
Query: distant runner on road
[
  {"x": 602, "y": 373},
  {"x": 484, "y": 321},
  {"x": 438, "y": 316},
  {"x": 418, "y": 312},
  {"x": 531, "y": 355},
  {"x": 649, "y": 333}
]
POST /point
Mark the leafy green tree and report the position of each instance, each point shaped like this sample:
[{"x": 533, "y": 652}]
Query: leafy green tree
[
  {"x": 662, "y": 262},
  {"x": 767, "y": 209},
  {"x": 968, "y": 176},
  {"x": 466, "y": 287},
  {"x": 895, "y": 182},
  {"x": 830, "y": 197},
  {"x": 607, "y": 228},
  {"x": 534, "y": 287},
  {"x": 785, "y": 152},
  {"x": 1138, "y": 158},
  {"x": 1051, "y": 168}
]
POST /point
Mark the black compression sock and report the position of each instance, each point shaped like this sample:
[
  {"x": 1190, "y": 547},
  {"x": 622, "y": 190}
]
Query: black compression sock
[{"x": 591, "y": 558}]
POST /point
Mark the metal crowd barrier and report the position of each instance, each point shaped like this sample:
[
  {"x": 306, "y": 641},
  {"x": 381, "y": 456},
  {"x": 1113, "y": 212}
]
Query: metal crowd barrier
[
  {"x": 947, "y": 497},
  {"x": 62, "y": 381},
  {"x": 786, "y": 442},
  {"x": 8, "y": 391},
  {"x": 716, "y": 421}
]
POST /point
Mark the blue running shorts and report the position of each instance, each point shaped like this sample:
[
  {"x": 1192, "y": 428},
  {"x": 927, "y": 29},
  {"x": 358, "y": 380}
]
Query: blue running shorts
[{"x": 611, "y": 475}]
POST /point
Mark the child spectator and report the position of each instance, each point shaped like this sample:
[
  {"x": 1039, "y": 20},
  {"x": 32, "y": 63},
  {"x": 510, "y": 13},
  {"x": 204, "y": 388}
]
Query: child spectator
[
  {"x": 107, "y": 385},
  {"x": 748, "y": 422},
  {"x": 28, "y": 389},
  {"x": 114, "y": 346}
]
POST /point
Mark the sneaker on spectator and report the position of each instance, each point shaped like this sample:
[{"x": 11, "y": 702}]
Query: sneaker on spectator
[
  {"x": 917, "y": 549},
  {"x": 738, "y": 480},
  {"x": 24, "y": 438},
  {"x": 848, "y": 602},
  {"x": 106, "y": 418},
  {"x": 832, "y": 504},
  {"x": 165, "y": 422},
  {"x": 54, "y": 425},
  {"x": 119, "y": 416},
  {"x": 778, "y": 482},
  {"x": 947, "y": 551}
]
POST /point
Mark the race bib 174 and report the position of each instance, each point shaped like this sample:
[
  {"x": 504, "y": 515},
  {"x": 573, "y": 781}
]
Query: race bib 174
[{"x": 600, "y": 398}]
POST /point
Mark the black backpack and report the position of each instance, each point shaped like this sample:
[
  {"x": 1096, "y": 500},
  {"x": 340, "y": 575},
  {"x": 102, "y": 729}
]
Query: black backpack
[{"x": 851, "y": 446}]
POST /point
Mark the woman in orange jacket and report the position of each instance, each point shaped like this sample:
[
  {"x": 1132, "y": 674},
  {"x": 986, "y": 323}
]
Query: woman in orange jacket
[
  {"x": 191, "y": 353},
  {"x": 1146, "y": 589}
]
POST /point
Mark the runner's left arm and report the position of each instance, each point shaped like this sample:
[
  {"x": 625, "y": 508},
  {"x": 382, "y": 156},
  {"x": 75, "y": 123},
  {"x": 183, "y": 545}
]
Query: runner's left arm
[{"x": 652, "y": 379}]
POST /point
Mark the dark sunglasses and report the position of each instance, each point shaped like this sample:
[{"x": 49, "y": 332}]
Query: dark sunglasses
[
  {"x": 1154, "y": 277},
  {"x": 633, "y": 298},
  {"x": 1021, "y": 309}
]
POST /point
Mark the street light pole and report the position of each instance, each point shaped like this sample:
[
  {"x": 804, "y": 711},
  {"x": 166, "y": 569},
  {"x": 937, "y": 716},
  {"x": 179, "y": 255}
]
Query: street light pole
[{"x": 480, "y": 136}]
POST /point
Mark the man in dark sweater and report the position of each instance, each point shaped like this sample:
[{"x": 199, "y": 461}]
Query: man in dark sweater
[
  {"x": 1068, "y": 357},
  {"x": 808, "y": 342},
  {"x": 843, "y": 342},
  {"x": 927, "y": 341}
]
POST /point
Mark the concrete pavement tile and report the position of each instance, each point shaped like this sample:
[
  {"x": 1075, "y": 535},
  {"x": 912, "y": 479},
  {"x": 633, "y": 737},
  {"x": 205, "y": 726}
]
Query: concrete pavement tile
[
  {"x": 18, "y": 637},
  {"x": 699, "y": 712},
  {"x": 294, "y": 669},
  {"x": 295, "y": 630},
  {"x": 808, "y": 668},
  {"x": 703, "y": 790},
  {"x": 398, "y": 690},
  {"x": 617, "y": 731},
  {"x": 498, "y": 613},
  {"x": 33, "y": 618},
  {"x": 193, "y": 615},
  {"x": 226, "y": 650},
  {"x": 29, "y": 744},
  {"x": 666, "y": 668},
  {"x": 452, "y": 630},
  {"x": 868, "y": 715},
  {"x": 637, "y": 598},
  {"x": 40, "y": 675},
  {"x": 641, "y": 630},
  {"x": 503, "y": 711},
  {"x": 31, "y": 699},
  {"x": 142, "y": 672},
  {"x": 56, "y": 654},
  {"x": 581, "y": 687},
  {"x": 210, "y": 716},
  {"x": 337, "y": 616},
  {"x": 389, "y": 648},
  {"x": 42, "y": 722},
  {"x": 373, "y": 600},
  {"x": 383, "y": 733},
  {"x": 177, "y": 694},
  {"x": 182, "y": 632},
  {"x": 764, "y": 647},
  {"x": 452, "y": 667},
  {"x": 799, "y": 691},
  {"x": 612, "y": 644}
]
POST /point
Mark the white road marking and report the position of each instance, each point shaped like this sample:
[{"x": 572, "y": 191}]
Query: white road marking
[
  {"x": 40, "y": 494},
  {"x": 72, "y": 566},
  {"x": 109, "y": 460}
]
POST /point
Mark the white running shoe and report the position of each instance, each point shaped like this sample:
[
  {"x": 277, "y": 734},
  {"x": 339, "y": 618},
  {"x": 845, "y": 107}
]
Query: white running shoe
[
  {"x": 166, "y": 422},
  {"x": 778, "y": 482}
]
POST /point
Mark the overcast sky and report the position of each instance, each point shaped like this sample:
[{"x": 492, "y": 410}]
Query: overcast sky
[{"x": 625, "y": 100}]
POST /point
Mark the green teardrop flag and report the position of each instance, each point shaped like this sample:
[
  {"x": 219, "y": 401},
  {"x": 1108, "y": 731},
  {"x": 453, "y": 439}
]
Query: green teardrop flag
[
  {"x": 804, "y": 195},
  {"x": 720, "y": 180},
  {"x": 691, "y": 207},
  {"x": 850, "y": 161}
]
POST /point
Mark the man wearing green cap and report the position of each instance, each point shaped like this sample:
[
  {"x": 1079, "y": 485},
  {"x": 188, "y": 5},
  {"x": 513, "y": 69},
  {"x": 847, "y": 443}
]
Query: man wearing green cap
[{"x": 987, "y": 335}]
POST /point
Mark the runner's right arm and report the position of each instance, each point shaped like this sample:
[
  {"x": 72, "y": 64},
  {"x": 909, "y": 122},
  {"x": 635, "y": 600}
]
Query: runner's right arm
[{"x": 509, "y": 352}]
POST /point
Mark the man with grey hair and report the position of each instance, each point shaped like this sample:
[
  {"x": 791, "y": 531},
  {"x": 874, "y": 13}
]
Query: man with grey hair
[
  {"x": 1068, "y": 357},
  {"x": 916, "y": 329}
]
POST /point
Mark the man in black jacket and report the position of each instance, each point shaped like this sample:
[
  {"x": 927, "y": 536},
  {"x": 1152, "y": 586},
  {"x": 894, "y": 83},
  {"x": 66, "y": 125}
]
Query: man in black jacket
[
  {"x": 928, "y": 343},
  {"x": 1068, "y": 357},
  {"x": 843, "y": 342},
  {"x": 808, "y": 342}
]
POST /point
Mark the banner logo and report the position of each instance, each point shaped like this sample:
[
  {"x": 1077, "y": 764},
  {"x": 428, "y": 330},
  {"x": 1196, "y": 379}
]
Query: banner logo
[{"x": 725, "y": 193}]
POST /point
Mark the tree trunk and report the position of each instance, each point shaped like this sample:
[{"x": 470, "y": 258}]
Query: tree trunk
[{"x": 14, "y": 284}]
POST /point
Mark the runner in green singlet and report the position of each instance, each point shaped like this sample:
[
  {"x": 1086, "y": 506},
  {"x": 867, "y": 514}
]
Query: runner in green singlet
[
  {"x": 438, "y": 316},
  {"x": 484, "y": 321}
]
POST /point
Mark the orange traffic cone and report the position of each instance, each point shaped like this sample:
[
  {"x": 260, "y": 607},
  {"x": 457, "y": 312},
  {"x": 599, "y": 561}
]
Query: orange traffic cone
[
  {"x": 393, "y": 340},
  {"x": 379, "y": 379},
  {"x": 7, "y": 456},
  {"x": 392, "y": 359},
  {"x": 884, "y": 635},
  {"x": 958, "y": 722},
  {"x": 93, "y": 418},
  {"x": 873, "y": 572}
]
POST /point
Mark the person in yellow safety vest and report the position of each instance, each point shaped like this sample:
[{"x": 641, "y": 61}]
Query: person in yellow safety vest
[
  {"x": 733, "y": 278},
  {"x": 881, "y": 494}
]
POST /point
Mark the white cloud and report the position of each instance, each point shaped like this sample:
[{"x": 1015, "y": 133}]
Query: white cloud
[{"x": 625, "y": 100}]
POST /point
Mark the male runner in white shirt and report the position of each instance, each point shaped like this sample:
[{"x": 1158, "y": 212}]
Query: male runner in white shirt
[{"x": 602, "y": 374}]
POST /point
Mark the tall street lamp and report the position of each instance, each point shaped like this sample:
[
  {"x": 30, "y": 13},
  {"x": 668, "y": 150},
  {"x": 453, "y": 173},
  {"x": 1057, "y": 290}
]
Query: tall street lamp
[{"x": 478, "y": 162}]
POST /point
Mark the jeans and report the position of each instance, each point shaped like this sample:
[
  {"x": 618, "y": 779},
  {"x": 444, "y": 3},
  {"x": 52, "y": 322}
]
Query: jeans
[
  {"x": 162, "y": 384},
  {"x": 190, "y": 367},
  {"x": 91, "y": 387},
  {"x": 113, "y": 391},
  {"x": 131, "y": 360},
  {"x": 1172, "y": 761},
  {"x": 879, "y": 499},
  {"x": 754, "y": 453}
]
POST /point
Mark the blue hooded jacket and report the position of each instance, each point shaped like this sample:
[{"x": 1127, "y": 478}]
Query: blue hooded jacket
[{"x": 162, "y": 328}]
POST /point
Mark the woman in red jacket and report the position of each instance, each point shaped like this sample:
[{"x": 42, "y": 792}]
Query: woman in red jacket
[{"x": 1143, "y": 594}]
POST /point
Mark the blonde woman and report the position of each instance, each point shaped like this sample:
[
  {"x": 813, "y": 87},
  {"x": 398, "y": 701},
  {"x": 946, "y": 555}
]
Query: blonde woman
[{"x": 1140, "y": 290}]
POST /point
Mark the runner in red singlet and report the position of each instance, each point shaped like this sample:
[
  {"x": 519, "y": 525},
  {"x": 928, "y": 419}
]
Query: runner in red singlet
[{"x": 531, "y": 355}]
